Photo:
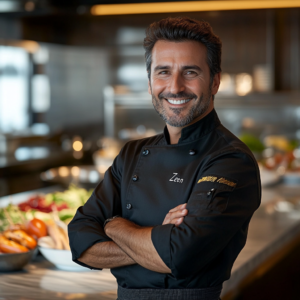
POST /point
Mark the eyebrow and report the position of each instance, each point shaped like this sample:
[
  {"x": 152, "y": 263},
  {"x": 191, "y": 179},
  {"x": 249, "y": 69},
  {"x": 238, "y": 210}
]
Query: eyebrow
[
  {"x": 157, "y": 68},
  {"x": 192, "y": 67}
]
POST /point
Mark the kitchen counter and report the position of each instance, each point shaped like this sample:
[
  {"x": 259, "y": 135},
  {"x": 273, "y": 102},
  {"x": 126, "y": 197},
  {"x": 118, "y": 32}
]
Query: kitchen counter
[
  {"x": 21, "y": 171},
  {"x": 41, "y": 280},
  {"x": 274, "y": 226}
]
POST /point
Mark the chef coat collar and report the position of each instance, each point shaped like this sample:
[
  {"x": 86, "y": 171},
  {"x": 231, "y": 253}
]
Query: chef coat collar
[{"x": 196, "y": 130}]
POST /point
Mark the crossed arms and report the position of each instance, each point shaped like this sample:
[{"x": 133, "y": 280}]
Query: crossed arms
[
  {"x": 130, "y": 244},
  {"x": 206, "y": 229}
]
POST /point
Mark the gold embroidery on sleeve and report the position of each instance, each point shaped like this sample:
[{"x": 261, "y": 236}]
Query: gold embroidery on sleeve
[
  {"x": 227, "y": 182},
  {"x": 208, "y": 178},
  {"x": 216, "y": 179}
]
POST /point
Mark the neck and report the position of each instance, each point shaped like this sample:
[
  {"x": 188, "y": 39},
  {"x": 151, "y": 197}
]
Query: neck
[{"x": 175, "y": 132}]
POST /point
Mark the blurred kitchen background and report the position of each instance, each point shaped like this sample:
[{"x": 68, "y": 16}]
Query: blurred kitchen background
[
  {"x": 73, "y": 90},
  {"x": 73, "y": 84}
]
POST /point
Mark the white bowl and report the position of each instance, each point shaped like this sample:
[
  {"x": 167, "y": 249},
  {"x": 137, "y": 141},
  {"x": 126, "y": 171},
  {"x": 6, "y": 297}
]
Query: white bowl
[{"x": 62, "y": 259}]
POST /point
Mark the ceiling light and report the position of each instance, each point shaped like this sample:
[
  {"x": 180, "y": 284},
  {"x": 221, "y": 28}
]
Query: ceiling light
[{"x": 189, "y": 6}]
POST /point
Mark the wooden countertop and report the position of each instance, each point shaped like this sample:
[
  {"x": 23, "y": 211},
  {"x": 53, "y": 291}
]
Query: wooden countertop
[
  {"x": 42, "y": 280},
  {"x": 274, "y": 226}
]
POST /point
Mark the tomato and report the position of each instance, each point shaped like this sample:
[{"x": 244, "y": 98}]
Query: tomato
[
  {"x": 37, "y": 228},
  {"x": 39, "y": 203}
]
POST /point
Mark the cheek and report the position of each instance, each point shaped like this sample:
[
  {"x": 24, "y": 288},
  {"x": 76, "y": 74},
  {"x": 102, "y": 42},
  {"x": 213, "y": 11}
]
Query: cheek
[
  {"x": 158, "y": 86},
  {"x": 198, "y": 86}
]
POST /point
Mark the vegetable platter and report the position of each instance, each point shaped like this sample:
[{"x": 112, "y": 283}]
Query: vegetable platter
[{"x": 41, "y": 220}]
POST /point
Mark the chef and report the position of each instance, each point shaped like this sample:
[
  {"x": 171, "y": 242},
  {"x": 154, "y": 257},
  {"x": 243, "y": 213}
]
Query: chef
[{"x": 172, "y": 212}]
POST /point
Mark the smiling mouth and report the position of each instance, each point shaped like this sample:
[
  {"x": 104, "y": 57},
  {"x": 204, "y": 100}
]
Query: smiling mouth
[{"x": 178, "y": 101}]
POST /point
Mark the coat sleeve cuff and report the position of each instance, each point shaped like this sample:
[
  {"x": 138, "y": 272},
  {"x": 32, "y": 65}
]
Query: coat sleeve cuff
[
  {"x": 161, "y": 239},
  {"x": 82, "y": 246}
]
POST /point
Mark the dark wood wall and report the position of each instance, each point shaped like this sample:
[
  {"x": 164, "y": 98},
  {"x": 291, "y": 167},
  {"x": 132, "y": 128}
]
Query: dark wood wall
[{"x": 249, "y": 37}]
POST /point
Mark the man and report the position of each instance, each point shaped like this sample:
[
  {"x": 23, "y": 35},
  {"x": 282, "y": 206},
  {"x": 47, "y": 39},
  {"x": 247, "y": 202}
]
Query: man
[{"x": 172, "y": 213}]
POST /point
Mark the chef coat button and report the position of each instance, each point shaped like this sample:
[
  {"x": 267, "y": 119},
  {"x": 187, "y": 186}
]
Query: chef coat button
[
  {"x": 146, "y": 152},
  {"x": 128, "y": 206},
  {"x": 210, "y": 192},
  {"x": 192, "y": 152},
  {"x": 135, "y": 178}
]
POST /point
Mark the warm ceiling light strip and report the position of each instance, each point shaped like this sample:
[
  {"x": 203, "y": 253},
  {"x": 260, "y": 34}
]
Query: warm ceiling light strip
[{"x": 189, "y": 6}]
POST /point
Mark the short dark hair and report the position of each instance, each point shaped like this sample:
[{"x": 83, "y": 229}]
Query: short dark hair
[{"x": 184, "y": 29}]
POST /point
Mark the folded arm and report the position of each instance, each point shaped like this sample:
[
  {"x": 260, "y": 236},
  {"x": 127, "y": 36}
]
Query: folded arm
[
  {"x": 136, "y": 242},
  {"x": 219, "y": 210},
  {"x": 106, "y": 255},
  {"x": 131, "y": 244}
]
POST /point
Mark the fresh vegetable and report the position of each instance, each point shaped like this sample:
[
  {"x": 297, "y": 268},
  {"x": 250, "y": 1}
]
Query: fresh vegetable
[
  {"x": 39, "y": 203},
  {"x": 280, "y": 143},
  {"x": 36, "y": 228},
  {"x": 14, "y": 237},
  {"x": 34, "y": 216},
  {"x": 8, "y": 246},
  {"x": 72, "y": 198},
  {"x": 64, "y": 203},
  {"x": 11, "y": 215},
  {"x": 21, "y": 237},
  {"x": 254, "y": 143}
]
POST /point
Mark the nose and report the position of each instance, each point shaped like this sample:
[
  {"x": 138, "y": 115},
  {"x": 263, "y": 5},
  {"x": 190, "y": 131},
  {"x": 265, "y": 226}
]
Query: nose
[{"x": 176, "y": 83}]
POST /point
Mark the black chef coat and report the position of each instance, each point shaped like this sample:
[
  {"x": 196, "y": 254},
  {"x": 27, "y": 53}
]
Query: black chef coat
[{"x": 209, "y": 169}]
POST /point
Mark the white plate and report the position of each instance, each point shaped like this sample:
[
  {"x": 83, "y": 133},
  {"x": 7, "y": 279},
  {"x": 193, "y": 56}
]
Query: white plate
[{"x": 62, "y": 259}]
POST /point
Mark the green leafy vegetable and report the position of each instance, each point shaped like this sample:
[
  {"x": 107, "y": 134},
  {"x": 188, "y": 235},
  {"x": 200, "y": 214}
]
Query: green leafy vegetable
[{"x": 254, "y": 143}]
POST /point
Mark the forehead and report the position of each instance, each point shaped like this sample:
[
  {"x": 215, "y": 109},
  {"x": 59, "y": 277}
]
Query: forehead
[{"x": 179, "y": 53}]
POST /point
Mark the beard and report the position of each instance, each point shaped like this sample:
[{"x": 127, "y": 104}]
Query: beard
[{"x": 176, "y": 119}]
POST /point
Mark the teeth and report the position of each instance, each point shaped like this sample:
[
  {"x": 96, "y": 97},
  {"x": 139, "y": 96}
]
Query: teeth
[{"x": 178, "y": 101}]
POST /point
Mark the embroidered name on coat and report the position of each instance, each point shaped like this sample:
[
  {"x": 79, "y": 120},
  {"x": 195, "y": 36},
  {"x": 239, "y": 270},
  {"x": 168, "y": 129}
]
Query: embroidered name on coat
[
  {"x": 216, "y": 179},
  {"x": 176, "y": 179}
]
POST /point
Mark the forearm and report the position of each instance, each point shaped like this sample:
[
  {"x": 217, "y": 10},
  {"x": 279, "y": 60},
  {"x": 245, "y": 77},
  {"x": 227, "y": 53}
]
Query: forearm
[
  {"x": 106, "y": 255},
  {"x": 136, "y": 242}
]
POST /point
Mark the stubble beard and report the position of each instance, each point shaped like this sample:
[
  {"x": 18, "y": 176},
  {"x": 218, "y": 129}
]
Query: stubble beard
[{"x": 176, "y": 120}]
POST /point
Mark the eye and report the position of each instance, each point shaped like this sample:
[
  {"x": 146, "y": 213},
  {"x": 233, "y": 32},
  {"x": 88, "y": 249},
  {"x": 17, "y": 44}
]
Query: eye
[
  {"x": 191, "y": 73},
  {"x": 163, "y": 72}
]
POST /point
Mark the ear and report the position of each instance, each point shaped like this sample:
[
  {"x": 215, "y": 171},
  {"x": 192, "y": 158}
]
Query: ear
[
  {"x": 149, "y": 87},
  {"x": 216, "y": 83}
]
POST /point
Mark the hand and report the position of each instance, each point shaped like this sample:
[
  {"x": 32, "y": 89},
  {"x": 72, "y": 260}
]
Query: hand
[{"x": 176, "y": 215}]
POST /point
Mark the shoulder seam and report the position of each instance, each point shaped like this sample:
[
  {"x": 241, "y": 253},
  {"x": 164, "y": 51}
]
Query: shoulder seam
[{"x": 238, "y": 150}]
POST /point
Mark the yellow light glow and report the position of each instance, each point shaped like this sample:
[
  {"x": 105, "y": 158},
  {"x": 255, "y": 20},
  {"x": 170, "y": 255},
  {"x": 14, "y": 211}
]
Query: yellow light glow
[
  {"x": 63, "y": 171},
  {"x": 75, "y": 171},
  {"x": 77, "y": 146},
  {"x": 29, "y": 46},
  {"x": 189, "y": 6},
  {"x": 243, "y": 84}
]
